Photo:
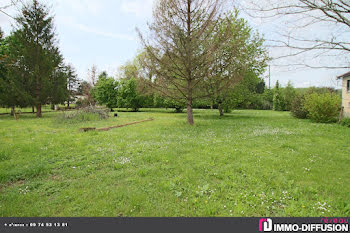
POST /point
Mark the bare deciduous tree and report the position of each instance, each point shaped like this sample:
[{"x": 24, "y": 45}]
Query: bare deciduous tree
[
  {"x": 317, "y": 27},
  {"x": 92, "y": 75},
  {"x": 179, "y": 49},
  {"x": 4, "y": 7}
]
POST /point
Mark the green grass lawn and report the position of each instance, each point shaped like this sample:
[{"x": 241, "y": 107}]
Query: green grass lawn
[{"x": 248, "y": 163}]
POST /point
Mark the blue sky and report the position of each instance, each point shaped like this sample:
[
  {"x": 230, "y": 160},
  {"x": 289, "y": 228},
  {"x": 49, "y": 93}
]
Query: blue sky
[{"x": 102, "y": 32}]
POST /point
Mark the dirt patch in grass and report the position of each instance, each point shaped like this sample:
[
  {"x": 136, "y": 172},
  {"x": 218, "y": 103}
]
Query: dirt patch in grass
[{"x": 10, "y": 184}]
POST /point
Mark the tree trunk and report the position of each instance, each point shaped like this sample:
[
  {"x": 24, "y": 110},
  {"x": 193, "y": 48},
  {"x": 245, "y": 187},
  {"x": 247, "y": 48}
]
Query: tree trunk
[
  {"x": 68, "y": 103},
  {"x": 189, "y": 112},
  {"x": 221, "y": 111},
  {"x": 38, "y": 105},
  {"x": 38, "y": 110},
  {"x": 12, "y": 111},
  {"x": 33, "y": 109}
]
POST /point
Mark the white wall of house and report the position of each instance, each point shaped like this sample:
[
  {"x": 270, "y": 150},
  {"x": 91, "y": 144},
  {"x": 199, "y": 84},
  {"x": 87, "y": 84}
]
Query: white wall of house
[{"x": 346, "y": 97}]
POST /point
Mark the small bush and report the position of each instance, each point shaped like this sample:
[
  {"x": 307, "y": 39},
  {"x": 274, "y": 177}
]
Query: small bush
[
  {"x": 298, "y": 109},
  {"x": 84, "y": 114},
  {"x": 323, "y": 107},
  {"x": 345, "y": 122}
]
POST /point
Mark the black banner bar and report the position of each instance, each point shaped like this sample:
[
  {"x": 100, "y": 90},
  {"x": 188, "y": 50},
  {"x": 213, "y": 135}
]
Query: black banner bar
[{"x": 215, "y": 225}]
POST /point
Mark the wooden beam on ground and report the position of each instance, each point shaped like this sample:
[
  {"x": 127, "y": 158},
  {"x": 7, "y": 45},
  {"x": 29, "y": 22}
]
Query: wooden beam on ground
[{"x": 113, "y": 127}]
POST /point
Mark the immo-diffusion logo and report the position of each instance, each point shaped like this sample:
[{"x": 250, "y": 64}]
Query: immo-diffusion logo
[
  {"x": 339, "y": 225},
  {"x": 265, "y": 224}
]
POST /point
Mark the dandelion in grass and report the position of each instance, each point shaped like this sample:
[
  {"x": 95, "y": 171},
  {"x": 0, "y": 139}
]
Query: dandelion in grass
[
  {"x": 323, "y": 207},
  {"x": 24, "y": 191}
]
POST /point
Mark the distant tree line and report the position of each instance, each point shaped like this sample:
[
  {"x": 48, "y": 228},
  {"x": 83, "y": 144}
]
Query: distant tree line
[{"x": 132, "y": 92}]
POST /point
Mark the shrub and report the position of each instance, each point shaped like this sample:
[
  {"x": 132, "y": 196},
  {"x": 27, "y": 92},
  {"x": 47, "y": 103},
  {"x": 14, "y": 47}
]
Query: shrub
[
  {"x": 345, "y": 122},
  {"x": 278, "y": 101},
  {"x": 298, "y": 109},
  {"x": 322, "y": 107},
  {"x": 84, "y": 114},
  {"x": 82, "y": 103}
]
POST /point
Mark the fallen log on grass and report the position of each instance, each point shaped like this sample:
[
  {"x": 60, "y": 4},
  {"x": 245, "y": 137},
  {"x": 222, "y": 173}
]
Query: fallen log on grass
[
  {"x": 113, "y": 127},
  {"x": 87, "y": 129}
]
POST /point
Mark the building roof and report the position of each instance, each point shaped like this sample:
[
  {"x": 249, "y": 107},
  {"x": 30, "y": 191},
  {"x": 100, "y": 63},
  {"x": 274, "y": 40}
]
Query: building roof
[{"x": 344, "y": 75}]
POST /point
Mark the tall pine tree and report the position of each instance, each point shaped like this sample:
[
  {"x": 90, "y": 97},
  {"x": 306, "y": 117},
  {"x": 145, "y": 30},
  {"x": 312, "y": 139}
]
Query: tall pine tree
[
  {"x": 12, "y": 84},
  {"x": 72, "y": 83},
  {"x": 37, "y": 54}
]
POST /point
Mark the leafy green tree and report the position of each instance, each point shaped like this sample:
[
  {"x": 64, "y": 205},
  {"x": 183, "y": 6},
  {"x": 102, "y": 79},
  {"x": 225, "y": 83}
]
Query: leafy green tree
[
  {"x": 242, "y": 56},
  {"x": 278, "y": 98},
  {"x": 85, "y": 89},
  {"x": 135, "y": 89},
  {"x": 36, "y": 54},
  {"x": 246, "y": 94},
  {"x": 130, "y": 70},
  {"x": 128, "y": 95},
  {"x": 289, "y": 96},
  {"x": 106, "y": 91}
]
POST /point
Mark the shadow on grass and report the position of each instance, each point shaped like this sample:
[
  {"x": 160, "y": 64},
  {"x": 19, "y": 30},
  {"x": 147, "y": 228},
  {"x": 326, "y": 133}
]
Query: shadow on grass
[
  {"x": 47, "y": 115},
  {"x": 153, "y": 110},
  {"x": 227, "y": 116}
]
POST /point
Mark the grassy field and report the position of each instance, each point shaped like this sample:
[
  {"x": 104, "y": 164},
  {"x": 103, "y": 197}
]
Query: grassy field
[{"x": 248, "y": 163}]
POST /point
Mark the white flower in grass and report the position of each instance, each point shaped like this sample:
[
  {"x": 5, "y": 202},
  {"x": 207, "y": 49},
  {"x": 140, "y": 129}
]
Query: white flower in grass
[{"x": 124, "y": 160}]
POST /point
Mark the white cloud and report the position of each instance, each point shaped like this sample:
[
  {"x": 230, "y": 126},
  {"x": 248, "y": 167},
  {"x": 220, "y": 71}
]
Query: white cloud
[
  {"x": 85, "y": 28},
  {"x": 69, "y": 21}
]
